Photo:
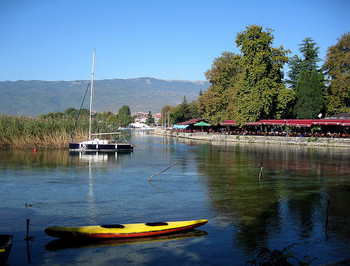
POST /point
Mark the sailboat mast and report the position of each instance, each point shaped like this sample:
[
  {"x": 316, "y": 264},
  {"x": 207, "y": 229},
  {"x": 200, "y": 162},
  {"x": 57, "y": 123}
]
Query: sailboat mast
[{"x": 92, "y": 92}]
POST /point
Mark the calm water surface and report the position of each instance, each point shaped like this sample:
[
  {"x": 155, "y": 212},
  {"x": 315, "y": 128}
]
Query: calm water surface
[{"x": 212, "y": 181}]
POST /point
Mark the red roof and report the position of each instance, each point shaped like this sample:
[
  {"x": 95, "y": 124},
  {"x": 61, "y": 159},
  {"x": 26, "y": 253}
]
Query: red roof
[
  {"x": 192, "y": 121},
  {"x": 293, "y": 122},
  {"x": 273, "y": 122},
  {"x": 257, "y": 123},
  {"x": 296, "y": 124},
  {"x": 300, "y": 122},
  {"x": 331, "y": 122},
  {"x": 346, "y": 122}
]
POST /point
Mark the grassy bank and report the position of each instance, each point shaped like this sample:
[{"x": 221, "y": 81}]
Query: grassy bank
[{"x": 29, "y": 132}]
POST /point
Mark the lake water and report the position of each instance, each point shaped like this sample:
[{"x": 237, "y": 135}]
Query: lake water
[{"x": 218, "y": 182}]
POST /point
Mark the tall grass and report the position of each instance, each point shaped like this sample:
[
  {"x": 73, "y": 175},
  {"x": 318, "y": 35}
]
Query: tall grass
[
  {"x": 39, "y": 132},
  {"x": 52, "y": 130}
]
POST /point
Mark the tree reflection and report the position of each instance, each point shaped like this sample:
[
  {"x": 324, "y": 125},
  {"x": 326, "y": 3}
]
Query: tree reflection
[{"x": 291, "y": 197}]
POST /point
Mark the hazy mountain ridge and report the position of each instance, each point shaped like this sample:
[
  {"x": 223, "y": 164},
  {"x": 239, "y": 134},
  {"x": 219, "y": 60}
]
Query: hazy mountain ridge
[{"x": 145, "y": 94}]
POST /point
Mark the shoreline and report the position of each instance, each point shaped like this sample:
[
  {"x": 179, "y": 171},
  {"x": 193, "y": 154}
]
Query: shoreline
[{"x": 275, "y": 140}]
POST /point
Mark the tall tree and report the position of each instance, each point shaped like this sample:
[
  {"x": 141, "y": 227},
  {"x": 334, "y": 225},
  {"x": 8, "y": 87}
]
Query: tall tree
[
  {"x": 260, "y": 79},
  {"x": 222, "y": 77},
  {"x": 164, "y": 112},
  {"x": 124, "y": 117},
  {"x": 180, "y": 113},
  {"x": 285, "y": 104},
  {"x": 193, "y": 110},
  {"x": 308, "y": 62},
  {"x": 337, "y": 67},
  {"x": 185, "y": 109},
  {"x": 150, "y": 119},
  {"x": 309, "y": 94}
]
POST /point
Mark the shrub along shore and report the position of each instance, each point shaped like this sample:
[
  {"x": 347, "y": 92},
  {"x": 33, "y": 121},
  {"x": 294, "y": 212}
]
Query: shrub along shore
[{"x": 53, "y": 130}]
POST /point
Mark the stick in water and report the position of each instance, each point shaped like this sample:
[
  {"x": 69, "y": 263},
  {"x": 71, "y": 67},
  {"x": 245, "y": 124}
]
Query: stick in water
[
  {"x": 261, "y": 172},
  {"x": 162, "y": 171}
]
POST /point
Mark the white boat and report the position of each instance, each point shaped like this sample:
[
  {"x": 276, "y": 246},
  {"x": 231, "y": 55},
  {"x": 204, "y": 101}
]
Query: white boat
[{"x": 98, "y": 145}]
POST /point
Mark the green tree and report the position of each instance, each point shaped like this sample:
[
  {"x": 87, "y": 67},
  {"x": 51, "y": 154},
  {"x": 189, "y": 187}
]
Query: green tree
[
  {"x": 260, "y": 80},
  {"x": 308, "y": 62},
  {"x": 112, "y": 119},
  {"x": 193, "y": 110},
  {"x": 71, "y": 112},
  {"x": 285, "y": 104},
  {"x": 337, "y": 67},
  {"x": 176, "y": 115},
  {"x": 164, "y": 112},
  {"x": 103, "y": 116},
  {"x": 124, "y": 117},
  {"x": 222, "y": 77},
  {"x": 309, "y": 95},
  {"x": 150, "y": 119},
  {"x": 180, "y": 113},
  {"x": 185, "y": 109},
  {"x": 84, "y": 112}
]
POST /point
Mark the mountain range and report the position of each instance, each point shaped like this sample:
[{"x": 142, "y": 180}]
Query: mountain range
[{"x": 144, "y": 94}]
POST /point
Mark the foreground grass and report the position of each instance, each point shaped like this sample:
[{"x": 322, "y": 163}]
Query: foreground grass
[{"x": 38, "y": 132}]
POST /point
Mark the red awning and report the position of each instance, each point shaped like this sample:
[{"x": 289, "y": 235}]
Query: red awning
[
  {"x": 300, "y": 122},
  {"x": 257, "y": 123},
  {"x": 273, "y": 122},
  {"x": 228, "y": 123},
  {"x": 328, "y": 122},
  {"x": 298, "y": 125},
  {"x": 192, "y": 121},
  {"x": 291, "y": 122},
  {"x": 346, "y": 122}
]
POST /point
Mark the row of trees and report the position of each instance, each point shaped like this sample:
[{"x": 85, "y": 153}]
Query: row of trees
[
  {"x": 121, "y": 119},
  {"x": 181, "y": 112},
  {"x": 250, "y": 86}
]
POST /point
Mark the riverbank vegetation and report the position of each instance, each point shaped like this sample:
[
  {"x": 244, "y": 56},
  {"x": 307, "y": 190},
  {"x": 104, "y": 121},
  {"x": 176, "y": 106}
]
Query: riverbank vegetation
[
  {"x": 244, "y": 87},
  {"x": 251, "y": 86},
  {"x": 54, "y": 130}
]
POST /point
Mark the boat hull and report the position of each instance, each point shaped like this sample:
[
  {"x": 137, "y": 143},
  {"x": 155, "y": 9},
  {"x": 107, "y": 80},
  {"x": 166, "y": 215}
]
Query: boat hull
[
  {"x": 123, "y": 230},
  {"x": 101, "y": 147},
  {"x": 5, "y": 247}
]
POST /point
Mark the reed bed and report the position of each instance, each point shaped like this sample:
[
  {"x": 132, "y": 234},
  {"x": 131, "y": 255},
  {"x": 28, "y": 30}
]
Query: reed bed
[{"x": 39, "y": 132}]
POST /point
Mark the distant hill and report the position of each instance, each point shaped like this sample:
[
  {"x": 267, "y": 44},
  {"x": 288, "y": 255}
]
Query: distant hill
[{"x": 36, "y": 97}]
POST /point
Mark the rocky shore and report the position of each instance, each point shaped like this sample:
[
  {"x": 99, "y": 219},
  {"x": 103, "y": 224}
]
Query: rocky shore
[{"x": 276, "y": 140}]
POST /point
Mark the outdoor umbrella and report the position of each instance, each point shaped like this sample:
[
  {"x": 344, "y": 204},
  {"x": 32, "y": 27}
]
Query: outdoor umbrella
[{"x": 202, "y": 124}]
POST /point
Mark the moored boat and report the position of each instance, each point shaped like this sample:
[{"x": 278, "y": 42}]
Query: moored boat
[
  {"x": 96, "y": 144},
  {"x": 123, "y": 230},
  {"x": 100, "y": 146},
  {"x": 5, "y": 247}
]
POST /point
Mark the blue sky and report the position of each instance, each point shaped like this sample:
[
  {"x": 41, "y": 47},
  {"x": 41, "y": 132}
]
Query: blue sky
[{"x": 179, "y": 39}]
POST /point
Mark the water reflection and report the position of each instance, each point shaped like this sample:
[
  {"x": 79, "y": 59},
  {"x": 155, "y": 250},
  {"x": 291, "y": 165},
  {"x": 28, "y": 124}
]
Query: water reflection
[
  {"x": 95, "y": 160},
  {"x": 86, "y": 243},
  {"x": 17, "y": 159},
  {"x": 211, "y": 180},
  {"x": 291, "y": 197}
]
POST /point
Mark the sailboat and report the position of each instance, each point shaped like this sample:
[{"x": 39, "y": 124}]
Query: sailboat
[{"x": 98, "y": 145}]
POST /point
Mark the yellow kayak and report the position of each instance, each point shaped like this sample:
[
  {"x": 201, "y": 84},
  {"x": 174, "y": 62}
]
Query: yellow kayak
[{"x": 123, "y": 230}]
